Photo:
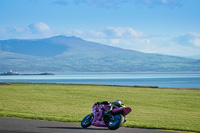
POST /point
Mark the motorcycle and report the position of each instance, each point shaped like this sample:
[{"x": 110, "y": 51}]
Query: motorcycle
[{"x": 103, "y": 117}]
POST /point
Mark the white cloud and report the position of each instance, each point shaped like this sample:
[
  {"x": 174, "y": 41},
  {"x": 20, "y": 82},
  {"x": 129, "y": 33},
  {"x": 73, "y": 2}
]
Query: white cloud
[
  {"x": 194, "y": 34},
  {"x": 39, "y": 27},
  {"x": 123, "y": 37},
  {"x": 129, "y": 38},
  {"x": 115, "y": 41},
  {"x": 126, "y": 32},
  {"x": 19, "y": 29},
  {"x": 108, "y": 33},
  {"x": 195, "y": 41},
  {"x": 14, "y": 32},
  {"x": 96, "y": 33},
  {"x": 35, "y": 30},
  {"x": 191, "y": 39}
]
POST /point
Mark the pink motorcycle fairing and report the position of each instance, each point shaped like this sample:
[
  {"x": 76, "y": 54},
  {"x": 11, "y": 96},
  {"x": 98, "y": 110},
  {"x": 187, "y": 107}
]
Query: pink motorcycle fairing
[
  {"x": 98, "y": 112},
  {"x": 124, "y": 110}
]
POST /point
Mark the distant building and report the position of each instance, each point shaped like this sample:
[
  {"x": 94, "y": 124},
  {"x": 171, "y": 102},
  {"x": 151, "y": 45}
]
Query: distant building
[{"x": 10, "y": 73}]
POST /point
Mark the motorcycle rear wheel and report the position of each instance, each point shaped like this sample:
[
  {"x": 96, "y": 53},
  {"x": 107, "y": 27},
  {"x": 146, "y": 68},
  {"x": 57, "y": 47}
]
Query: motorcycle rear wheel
[
  {"x": 87, "y": 121},
  {"x": 116, "y": 123}
]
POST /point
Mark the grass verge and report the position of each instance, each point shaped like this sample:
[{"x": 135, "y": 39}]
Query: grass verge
[{"x": 174, "y": 109}]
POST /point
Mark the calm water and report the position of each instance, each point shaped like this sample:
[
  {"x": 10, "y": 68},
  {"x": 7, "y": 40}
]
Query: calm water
[{"x": 175, "y": 80}]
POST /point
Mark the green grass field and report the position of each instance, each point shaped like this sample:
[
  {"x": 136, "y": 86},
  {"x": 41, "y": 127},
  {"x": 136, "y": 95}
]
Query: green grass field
[{"x": 174, "y": 109}]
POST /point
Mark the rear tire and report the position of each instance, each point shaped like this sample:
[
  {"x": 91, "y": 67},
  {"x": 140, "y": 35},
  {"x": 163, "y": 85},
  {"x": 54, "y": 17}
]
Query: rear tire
[
  {"x": 116, "y": 123},
  {"x": 87, "y": 121}
]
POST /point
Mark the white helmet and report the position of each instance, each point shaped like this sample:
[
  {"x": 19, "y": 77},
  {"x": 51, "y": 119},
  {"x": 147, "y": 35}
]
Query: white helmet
[{"x": 118, "y": 102}]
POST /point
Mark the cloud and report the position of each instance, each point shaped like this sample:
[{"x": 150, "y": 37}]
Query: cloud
[
  {"x": 123, "y": 37},
  {"x": 189, "y": 39},
  {"x": 123, "y": 32},
  {"x": 195, "y": 41},
  {"x": 34, "y": 30},
  {"x": 108, "y": 33},
  {"x": 183, "y": 39},
  {"x": 39, "y": 27},
  {"x": 14, "y": 32},
  {"x": 129, "y": 38}
]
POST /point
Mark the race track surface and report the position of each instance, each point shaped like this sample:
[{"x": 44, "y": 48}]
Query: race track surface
[{"x": 14, "y": 125}]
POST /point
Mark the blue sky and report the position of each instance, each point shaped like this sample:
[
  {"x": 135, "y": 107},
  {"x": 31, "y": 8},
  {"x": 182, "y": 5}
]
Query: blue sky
[{"x": 169, "y": 27}]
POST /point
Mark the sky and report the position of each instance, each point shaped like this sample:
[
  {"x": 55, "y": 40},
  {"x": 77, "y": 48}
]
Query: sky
[{"x": 170, "y": 27}]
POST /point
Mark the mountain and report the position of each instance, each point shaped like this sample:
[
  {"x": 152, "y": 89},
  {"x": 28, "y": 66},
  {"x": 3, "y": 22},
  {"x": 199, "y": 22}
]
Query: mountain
[{"x": 73, "y": 54}]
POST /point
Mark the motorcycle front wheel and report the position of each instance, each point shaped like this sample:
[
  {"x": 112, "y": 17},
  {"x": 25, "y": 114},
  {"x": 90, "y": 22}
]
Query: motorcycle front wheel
[
  {"x": 87, "y": 121},
  {"x": 116, "y": 123}
]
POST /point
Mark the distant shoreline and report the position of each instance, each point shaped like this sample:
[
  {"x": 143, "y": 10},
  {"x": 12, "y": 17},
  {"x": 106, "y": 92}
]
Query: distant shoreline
[
  {"x": 154, "y": 80},
  {"x": 135, "y": 86},
  {"x": 10, "y": 74}
]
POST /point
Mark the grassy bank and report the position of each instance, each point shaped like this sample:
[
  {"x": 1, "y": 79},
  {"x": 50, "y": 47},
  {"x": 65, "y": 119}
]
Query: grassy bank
[{"x": 177, "y": 109}]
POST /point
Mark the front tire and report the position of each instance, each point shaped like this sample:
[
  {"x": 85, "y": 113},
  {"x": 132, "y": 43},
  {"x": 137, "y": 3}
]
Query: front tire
[
  {"x": 116, "y": 123},
  {"x": 87, "y": 121}
]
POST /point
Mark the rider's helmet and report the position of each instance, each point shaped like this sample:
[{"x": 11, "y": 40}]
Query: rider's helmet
[{"x": 118, "y": 102}]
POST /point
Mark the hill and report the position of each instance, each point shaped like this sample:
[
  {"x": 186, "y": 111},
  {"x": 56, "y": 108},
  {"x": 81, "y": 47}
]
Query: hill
[{"x": 73, "y": 54}]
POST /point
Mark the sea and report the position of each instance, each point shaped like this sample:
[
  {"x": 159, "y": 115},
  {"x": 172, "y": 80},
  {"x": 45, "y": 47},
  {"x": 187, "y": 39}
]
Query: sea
[{"x": 171, "y": 80}]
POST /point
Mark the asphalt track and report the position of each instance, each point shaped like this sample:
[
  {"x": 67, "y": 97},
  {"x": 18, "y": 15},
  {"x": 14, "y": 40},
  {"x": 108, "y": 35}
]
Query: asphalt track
[{"x": 15, "y": 125}]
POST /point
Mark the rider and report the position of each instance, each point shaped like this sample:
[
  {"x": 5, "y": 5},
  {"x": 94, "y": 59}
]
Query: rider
[
  {"x": 113, "y": 105},
  {"x": 116, "y": 104}
]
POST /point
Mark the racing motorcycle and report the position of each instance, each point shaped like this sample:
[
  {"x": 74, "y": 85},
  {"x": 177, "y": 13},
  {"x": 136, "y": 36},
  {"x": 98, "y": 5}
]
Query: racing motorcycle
[{"x": 106, "y": 114}]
